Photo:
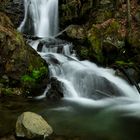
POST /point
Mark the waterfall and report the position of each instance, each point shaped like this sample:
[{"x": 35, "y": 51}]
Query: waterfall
[
  {"x": 41, "y": 18},
  {"x": 96, "y": 102},
  {"x": 79, "y": 78},
  {"x": 82, "y": 78}
]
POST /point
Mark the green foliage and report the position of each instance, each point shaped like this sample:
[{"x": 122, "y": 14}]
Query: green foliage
[
  {"x": 95, "y": 41},
  {"x": 30, "y": 80},
  {"x": 112, "y": 29},
  {"x": 103, "y": 16},
  {"x": 7, "y": 91},
  {"x": 27, "y": 79},
  {"x": 38, "y": 74}
]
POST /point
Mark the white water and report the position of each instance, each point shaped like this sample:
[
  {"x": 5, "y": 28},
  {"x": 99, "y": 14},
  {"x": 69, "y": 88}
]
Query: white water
[
  {"x": 82, "y": 80},
  {"x": 42, "y": 15}
]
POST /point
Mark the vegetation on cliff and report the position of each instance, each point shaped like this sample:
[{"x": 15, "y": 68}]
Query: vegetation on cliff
[{"x": 104, "y": 31}]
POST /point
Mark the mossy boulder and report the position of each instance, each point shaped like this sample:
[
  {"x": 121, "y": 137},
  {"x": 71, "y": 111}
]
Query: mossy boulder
[
  {"x": 100, "y": 43},
  {"x": 17, "y": 59}
]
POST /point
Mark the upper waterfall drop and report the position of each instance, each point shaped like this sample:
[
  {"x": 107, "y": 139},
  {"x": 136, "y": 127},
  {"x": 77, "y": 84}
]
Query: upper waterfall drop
[{"x": 41, "y": 18}]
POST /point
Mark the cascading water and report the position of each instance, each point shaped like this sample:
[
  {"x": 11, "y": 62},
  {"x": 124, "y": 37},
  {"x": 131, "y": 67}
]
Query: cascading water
[
  {"x": 41, "y": 18},
  {"x": 82, "y": 78},
  {"x": 93, "y": 96},
  {"x": 79, "y": 78}
]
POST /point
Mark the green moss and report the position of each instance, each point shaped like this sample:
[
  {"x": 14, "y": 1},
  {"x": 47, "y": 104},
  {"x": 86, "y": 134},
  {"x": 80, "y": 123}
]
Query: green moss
[
  {"x": 37, "y": 74},
  {"x": 32, "y": 79},
  {"x": 10, "y": 91},
  {"x": 27, "y": 81},
  {"x": 112, "y": 29},
  {"x": 103, "y": 16},
  {"x": 123, "y": 63},
  {"x": 95, "y": 43},
  {"x": 84, "y": 52},
  {"x": 18, "y": 38},
  {"x": 7, "y": 91}
]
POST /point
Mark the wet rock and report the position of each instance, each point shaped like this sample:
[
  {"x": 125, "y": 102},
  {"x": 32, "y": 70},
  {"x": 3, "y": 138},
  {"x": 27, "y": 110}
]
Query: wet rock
[
  {"x": 76, "y": 32},
  {"x": 56, "y": 90},
  {"x": 31, "y": 125}
]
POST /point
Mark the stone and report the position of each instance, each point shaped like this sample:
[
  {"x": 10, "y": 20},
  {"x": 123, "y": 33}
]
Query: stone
[
  {"x": 31, "y": 125},
  {"x": 18, "y": 61},
  {"x": 56, "y": 90},
  {"x": 14, "y": 9}
]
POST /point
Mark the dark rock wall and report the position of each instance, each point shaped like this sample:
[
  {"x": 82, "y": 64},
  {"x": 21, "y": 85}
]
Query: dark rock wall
[{"x": 14, "y": 9}]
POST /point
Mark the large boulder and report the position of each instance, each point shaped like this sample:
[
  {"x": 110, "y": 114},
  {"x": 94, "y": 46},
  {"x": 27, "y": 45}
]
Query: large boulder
[
  {"x": 20, "y": 65},
  {"x": 31, "y": 125}
]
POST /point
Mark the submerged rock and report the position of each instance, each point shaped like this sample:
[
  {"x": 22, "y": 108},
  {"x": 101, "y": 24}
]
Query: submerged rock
[{"x": 31, "y": 125}]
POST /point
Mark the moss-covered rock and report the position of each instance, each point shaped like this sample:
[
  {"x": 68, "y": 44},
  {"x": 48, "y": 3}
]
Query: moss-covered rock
[
  {"x": 103, "y": 15},
  {"x": 100, "y": 43},
  {"x": 17, "y": 59}
]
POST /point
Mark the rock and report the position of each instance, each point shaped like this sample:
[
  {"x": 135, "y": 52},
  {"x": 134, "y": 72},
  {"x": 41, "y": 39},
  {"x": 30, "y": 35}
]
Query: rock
[
  {"x": 56, "y": 90},
  {"x": 76, "y": 32},
  {"x": 71, "y": 11},
  {"x": 31, "y": 125},
  {"x": 14, "y": 9},
  {"x": 19, "y": 63}
]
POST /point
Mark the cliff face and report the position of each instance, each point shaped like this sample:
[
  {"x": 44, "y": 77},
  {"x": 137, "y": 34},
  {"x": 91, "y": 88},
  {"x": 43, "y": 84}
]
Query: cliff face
[
  {"x": 104, "y": 31},
  {"x": 75, "y": 11},
  {"x": 14, "y": 9}
]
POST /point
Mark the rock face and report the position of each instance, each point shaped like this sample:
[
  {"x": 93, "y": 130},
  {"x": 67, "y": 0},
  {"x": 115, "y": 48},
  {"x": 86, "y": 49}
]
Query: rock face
[
  {"x": 56, "y": 91},
  {"x": 20, "y": 66},
  {"x": 100, "y": 33},
  {"x": 14, "y": 9},
  {"x": 31, "y": 125},
  {"x": 72, "y": 11}
]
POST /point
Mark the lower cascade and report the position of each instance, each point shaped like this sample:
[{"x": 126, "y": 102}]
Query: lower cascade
[{"x": 82, "y": 79}]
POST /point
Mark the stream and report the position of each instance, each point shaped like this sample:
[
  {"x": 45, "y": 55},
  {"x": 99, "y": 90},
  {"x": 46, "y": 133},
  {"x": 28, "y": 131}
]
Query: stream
[{"x": 97, "y": 105}]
